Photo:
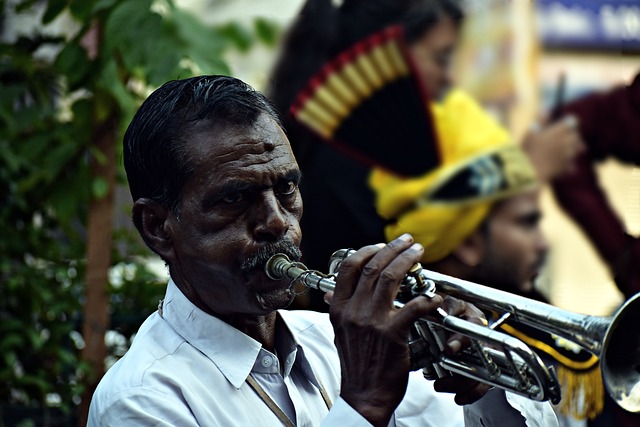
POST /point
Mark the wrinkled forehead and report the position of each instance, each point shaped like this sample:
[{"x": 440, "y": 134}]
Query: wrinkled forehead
[{"x": 225, "y": 148}]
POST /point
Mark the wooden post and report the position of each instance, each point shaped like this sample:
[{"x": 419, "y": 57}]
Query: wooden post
[{"x": 99, "y": 242}]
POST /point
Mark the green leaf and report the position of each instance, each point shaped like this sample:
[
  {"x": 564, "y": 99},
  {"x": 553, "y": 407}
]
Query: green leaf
[
  {"x": 101, "y": 5},
  {"x": 73, "y": 62},
  {"x": 58, "y": 158},
  {"x": 210, "y": 64},
  {"x": 54, "y": 161},
  {"x": 11, "y": 160},
  {"x": 82, "y": 111},
  {"x": 99, "y": 188},
  {"x": 10, "y": 340},
  {"x": 267, "y": 31},
  {"x": 9, "y": 93},
  {"x": 27, "y": 118},
  {"x": 204, "y": 45},
  {"x": 82, "y": 9},
  {"x": 149, "y": 49},
  {"x": 54, "y": 8},
  {"x": 67, "y": 358},
  {"x": 32, "y": 148},
  {"x": 64, "y": 203},
  {"x": 36, "y": 381},
  {"x": 237, "y": 34},
  {"x": 70, "y": 195},
  {"x": 34, "y": 338},
  {"x": 195, "y": 35},
  {"x": 131, "y": 28},
  {"x": 166, "y": 67},
  {"x": 98, "y": 155},
  {"x": 109, "y": 82}
]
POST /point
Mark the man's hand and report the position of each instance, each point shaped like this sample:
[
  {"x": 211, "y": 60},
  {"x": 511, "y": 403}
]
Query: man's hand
[
  {"x": 466, "y": 389},
  {"x": 371, "y": 335},
  {"x": 553, "y": 147}
]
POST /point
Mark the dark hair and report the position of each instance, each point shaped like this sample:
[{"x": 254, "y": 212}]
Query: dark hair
[
  {"x": 321, "y": 31},
  {"x": 155, "y": 143},
  {"x": 422, "y": 16},
  {"x": 360, "y": 18}
]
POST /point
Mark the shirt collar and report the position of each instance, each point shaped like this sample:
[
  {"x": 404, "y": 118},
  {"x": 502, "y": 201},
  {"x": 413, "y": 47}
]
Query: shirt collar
[{"x": 213, "y": 337}]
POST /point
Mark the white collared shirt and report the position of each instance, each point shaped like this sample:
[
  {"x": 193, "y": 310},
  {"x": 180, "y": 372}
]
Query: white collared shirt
[{"x": 188, "y": 368}]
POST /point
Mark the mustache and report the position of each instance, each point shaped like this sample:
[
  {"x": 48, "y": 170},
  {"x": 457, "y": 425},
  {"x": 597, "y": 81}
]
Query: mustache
[{"x": 260, "y": 258}]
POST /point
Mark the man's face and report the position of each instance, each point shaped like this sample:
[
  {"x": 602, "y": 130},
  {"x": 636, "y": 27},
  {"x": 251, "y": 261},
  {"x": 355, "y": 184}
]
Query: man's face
[
  {"x": 514, "y": 247},
  {"x": 432, "y": 53},
  {"x": 242, "y": 199}
]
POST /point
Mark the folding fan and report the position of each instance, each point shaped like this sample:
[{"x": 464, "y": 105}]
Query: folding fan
[{"x": 369, "y": 103}]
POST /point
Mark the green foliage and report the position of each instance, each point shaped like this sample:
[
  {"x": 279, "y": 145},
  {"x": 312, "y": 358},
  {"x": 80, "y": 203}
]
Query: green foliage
[
  {"x": 50, "y": 107},
  {"x": 267, "y": 31}
]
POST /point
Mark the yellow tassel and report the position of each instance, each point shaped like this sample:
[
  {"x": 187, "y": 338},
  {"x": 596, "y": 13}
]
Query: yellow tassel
[{"x": 583, "y": 392}]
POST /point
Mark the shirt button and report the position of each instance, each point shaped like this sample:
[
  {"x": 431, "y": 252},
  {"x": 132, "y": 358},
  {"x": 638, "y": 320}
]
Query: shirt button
[{"x": 267, "y": 361}]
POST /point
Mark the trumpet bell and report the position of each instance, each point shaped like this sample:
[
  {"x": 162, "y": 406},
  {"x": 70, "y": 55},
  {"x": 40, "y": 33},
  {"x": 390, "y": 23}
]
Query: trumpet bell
[{"x": 620, "y": 360}]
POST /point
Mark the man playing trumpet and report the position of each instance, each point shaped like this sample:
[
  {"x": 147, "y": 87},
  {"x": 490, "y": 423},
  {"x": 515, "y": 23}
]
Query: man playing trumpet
[{"x": 215, "y": 191}]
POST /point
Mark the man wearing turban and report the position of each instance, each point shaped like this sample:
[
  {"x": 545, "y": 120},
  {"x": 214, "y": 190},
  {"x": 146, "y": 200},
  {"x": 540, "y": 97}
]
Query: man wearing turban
[{"x": 477, "y": 215}]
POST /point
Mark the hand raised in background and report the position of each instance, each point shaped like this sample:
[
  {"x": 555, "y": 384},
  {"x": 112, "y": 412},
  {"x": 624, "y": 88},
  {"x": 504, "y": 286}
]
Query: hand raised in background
[{"x": 553, "y": 147}]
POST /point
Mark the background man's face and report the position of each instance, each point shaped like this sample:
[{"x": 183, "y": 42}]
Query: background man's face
[{"x": 514, "y": 245}]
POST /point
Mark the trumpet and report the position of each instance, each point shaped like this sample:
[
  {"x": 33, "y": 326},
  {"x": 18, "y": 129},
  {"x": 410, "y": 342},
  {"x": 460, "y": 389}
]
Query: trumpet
[{"x": 496, "y": 358}]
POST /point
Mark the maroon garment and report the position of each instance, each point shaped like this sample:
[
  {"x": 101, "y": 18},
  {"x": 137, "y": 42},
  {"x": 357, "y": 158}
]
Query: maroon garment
[
  {"x": 609, "y": 122},
  {"x": 610, "y": 127}
]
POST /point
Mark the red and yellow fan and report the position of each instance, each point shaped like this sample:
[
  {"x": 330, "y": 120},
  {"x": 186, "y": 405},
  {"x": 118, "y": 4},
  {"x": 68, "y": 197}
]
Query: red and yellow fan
[{"x": 368, "y": 103}]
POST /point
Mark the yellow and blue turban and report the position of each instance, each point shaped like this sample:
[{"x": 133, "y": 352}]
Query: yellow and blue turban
[{"x": 479, "y": 164}]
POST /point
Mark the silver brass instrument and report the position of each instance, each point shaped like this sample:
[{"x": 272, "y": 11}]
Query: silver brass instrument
[{"x": 494, "y": 357}]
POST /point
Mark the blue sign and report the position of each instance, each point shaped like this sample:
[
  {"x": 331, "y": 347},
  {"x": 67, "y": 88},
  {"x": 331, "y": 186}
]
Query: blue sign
[{"x": 589, "y": 24}]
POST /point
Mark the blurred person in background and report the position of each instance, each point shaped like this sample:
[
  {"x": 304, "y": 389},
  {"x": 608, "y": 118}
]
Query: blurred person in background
[
  {"x": 478, "y": 216},
  {"x": 610, "y": 126},
  {"x": 340, "y": 207},
  {"x": 446, "y": 181}
]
